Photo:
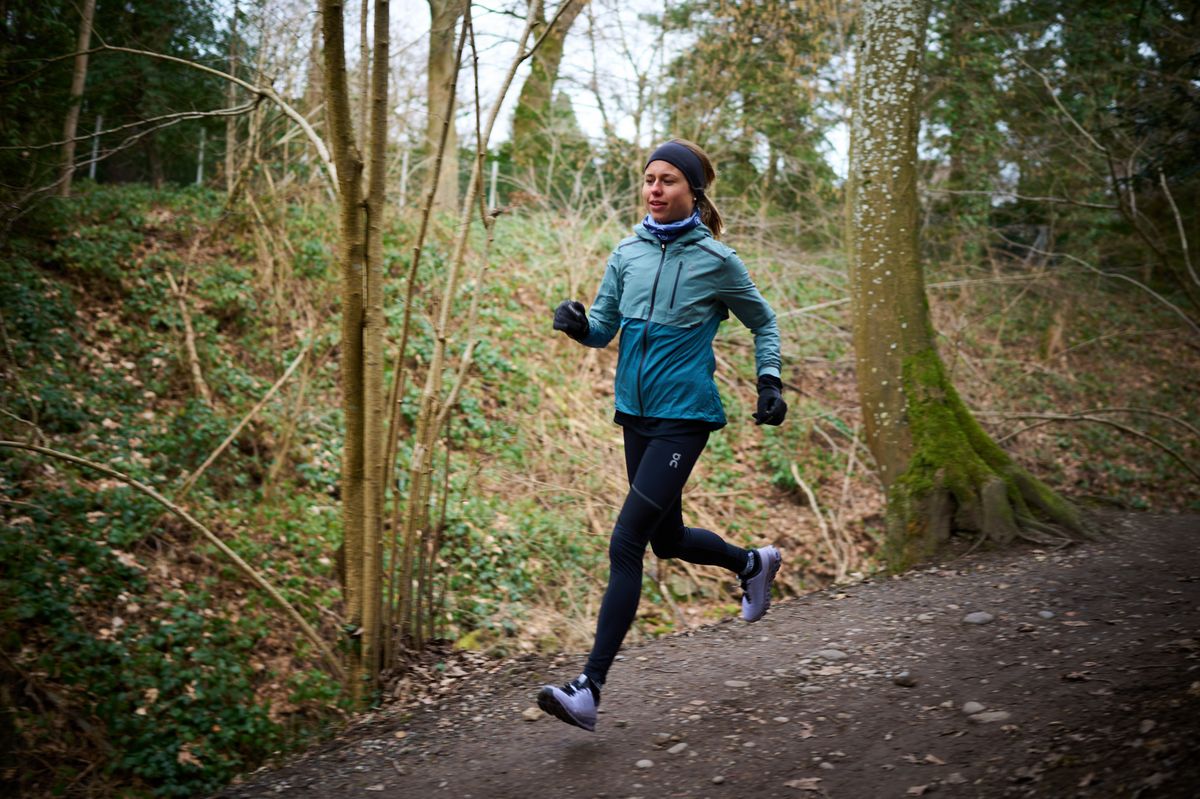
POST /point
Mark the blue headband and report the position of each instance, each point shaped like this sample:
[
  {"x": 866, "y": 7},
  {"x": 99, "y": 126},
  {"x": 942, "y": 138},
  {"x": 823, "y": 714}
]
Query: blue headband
[{"x": 682, "y": 159}]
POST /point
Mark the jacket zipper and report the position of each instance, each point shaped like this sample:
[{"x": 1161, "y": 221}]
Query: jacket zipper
[
  {"x": 675, "y": 288},
  {"x": 646, "y": 329}
]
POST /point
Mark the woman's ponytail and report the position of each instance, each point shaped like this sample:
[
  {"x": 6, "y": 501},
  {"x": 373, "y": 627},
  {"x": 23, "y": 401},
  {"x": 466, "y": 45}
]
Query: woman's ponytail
[{"x": 709, "y": 214}]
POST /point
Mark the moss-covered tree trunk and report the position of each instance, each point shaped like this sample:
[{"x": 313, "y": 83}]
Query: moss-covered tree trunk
[
  {"x": 444, "y": 16},
  {"x": 531, "y": 136},
  {"x": 941, "y": 470}
]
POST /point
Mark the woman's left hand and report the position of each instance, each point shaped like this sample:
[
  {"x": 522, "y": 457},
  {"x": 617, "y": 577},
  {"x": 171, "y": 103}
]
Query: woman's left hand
[{"x": 771, "y": 407}]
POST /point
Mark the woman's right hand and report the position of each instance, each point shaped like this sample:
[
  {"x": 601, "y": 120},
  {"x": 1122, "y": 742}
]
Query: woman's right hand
[{"x": 571, "y": 318}]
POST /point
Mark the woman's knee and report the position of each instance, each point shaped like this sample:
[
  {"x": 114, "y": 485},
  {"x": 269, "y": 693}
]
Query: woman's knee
[
  {"x": 625, "y": 551},
  {"x": 666, "y": 543}
]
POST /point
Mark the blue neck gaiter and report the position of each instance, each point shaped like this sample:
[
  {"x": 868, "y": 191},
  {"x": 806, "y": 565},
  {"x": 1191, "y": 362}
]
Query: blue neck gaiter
[{"x": 669, "y": 231}]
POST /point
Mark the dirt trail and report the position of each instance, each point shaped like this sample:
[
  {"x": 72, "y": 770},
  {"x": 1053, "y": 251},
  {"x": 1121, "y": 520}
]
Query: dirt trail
[{"x": 1090, "y": 669}]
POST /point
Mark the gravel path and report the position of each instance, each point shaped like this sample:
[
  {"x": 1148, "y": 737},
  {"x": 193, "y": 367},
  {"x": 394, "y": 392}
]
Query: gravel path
[{"x": 1028, "y": 672}]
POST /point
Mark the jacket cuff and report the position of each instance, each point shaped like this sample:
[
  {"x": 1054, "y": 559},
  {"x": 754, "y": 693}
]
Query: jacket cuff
[{"x": 769, "y": 381}]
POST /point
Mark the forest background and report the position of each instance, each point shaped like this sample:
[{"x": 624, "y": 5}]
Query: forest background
[{"x": 173, "y": 313}]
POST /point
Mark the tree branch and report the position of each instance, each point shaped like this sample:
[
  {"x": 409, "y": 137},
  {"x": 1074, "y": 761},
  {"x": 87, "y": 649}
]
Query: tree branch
[
  {"x": 1183, "y": 242},
  {"x": 1015, "y": 196},
  {"x": 166, "y": 119},
  {"x": 266, "y": 91},
  {"x": 1174, "y": 308},
  {"x": 1046, "y": 419}
]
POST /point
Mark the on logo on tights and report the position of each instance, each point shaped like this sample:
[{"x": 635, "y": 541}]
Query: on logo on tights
[{"x": 675, "y": 456}]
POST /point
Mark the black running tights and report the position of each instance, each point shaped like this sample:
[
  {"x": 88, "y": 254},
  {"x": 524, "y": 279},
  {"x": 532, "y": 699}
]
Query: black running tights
[{"x": 658, "y": 468}]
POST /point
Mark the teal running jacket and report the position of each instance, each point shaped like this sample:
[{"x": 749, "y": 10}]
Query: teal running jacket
[{"x": 667, "y": 300}]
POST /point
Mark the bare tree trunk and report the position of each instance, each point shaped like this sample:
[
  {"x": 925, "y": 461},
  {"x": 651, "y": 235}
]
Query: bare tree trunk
[
  {"x": 375, "y": 443},
  {"x": 189, "y": 342},
  {"x": 231, "y": 100},
  {"x": 78, "y": 79},
  {"x": 444, "y": 16},
  {"x": 314, "y": 86},
  {"x": 350, "y": 258},
  {"x": 364, "y": 70},
  {"x": 940, "y": 468}
]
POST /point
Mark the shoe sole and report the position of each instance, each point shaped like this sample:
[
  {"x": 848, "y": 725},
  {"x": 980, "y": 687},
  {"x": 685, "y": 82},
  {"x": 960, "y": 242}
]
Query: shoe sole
[
  {"x": 549, "y": 703},
  {"x": 776, "y": 562}
]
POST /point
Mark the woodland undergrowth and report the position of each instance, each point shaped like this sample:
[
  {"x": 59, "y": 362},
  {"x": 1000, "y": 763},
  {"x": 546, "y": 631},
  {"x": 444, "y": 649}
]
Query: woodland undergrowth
[{"x": 136, "y": 658}]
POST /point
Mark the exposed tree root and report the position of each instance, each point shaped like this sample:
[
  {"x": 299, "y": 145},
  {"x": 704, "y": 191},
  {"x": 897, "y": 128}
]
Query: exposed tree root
[{"x": 959, "y": 480}]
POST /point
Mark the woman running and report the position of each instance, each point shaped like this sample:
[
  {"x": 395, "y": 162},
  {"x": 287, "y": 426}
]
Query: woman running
[{"x": 666, "y": 289}]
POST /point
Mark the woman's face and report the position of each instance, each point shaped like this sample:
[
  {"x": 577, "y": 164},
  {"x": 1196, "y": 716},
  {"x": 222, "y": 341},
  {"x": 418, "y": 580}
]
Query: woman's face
[{"x": 666, "y": 192}]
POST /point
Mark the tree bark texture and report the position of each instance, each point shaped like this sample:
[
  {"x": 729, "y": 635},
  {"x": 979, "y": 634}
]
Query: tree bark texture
[
  {"x": 374, "y": 441},
  {"x": 78, "y": 79},
  {"x": 444, "y": 16},
  {"x": 351, "y": 257},
  {"x": 531, "y": 118},
  {"x": 941, "y": 470},
  {"x": 314, "y": 86}
]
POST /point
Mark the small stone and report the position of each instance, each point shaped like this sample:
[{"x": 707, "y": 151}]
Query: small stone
[
  {"x": 718, "y": 780},
  {"x": 831, "y": 654},
  {"x": 736, "y": 684},
  {"x": 978, "y": 617},
  {"x": 905, "y": 679},
  {"x": 677, "y": 749},
  {"x": 825, "y": 764},
  {"x": 1046, "y": 614},
  {"x": 990, "y": 716},
  {"x": 971, "y": 708},
  {"x": 661, "y": 738},
  {"x": 925, "y": 618},
  {"x": 531, "y": 714},
  {"x": 781, "y": 719},
  {"x": 378, "y": 787},
  {"x": 645, "y": 764},
  {"x": 621, "y": 723},
  {"x": 955, "y": 779}
]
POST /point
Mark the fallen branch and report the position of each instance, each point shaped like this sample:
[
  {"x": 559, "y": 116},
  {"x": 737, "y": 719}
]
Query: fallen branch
[
  {"x": 839, "y": 559},
  {"x": 191, "y": 480},
  {"x": 326, "y": 653},
  {"x": 189, "y": 342}
]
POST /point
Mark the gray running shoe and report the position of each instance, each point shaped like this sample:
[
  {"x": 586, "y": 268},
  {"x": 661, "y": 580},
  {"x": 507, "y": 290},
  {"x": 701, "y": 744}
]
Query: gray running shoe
[
  {"x": 756, "y": 590},
  {"x": 575, "y": 703}
]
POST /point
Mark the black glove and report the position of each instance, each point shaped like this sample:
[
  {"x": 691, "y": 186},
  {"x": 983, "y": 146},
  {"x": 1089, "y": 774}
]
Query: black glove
[
  {"x": 571, "y": 318},
  {"x": 771, "y": 407}
]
